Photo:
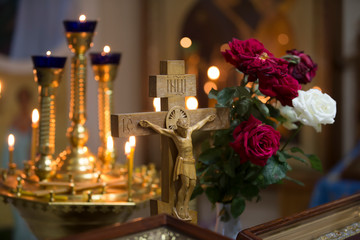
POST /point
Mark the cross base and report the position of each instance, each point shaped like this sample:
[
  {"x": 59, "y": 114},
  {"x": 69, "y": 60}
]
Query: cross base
[{"x": 158, "y": 207}]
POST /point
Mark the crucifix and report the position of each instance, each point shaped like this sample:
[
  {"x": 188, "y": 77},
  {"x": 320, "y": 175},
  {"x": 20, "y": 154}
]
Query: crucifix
[{"x": 172, "y": 86}]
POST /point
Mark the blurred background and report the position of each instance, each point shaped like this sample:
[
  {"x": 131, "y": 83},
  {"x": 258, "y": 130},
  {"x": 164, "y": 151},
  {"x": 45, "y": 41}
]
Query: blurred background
[{"x": 147, "y": 31}]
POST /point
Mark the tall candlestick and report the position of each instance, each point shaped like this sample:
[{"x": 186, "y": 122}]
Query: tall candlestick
[
  {"x": 130, "y": 159},
  {"x": 77, "y": 158},
  {"x": 105, "y": 66},
  {"x": 11, "y": 143},
  {"x": 132, "y": 141},
  {"x": 48, "y": 72},
  {"x": 35, "y": 127}
]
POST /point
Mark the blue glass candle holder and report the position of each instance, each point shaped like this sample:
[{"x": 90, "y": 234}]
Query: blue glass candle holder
[
  {"x": 48, "y": 62},
  {"x": 78, "y": 26},
  {"x": 105, "y": 58}
]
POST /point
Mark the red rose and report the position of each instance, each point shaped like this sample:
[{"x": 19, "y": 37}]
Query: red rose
[
  {"x": 305, "y": 70},
  {"x": 283, "y": 88},
  {"x": 250, "y": 57},
  {"x": 255, "y": 142}
]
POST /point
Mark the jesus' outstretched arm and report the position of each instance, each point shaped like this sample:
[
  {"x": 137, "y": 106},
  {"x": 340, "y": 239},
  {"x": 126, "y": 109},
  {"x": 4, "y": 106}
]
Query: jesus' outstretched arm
[
  {"x": 156, "y": 128},
  {"x": 201, "y": 123}
]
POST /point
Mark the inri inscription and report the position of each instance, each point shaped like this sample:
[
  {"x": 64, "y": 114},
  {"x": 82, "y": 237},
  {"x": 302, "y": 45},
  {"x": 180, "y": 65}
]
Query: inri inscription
[{"x": 176, "y": 84}]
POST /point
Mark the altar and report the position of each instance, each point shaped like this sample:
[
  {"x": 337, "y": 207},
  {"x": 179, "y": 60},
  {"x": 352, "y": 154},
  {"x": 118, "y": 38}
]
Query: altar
[{"x": 119, "y": 85}]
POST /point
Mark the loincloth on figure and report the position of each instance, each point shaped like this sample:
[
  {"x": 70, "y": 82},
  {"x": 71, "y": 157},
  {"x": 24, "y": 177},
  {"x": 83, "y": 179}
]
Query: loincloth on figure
[{"x": 184, "y": 167}]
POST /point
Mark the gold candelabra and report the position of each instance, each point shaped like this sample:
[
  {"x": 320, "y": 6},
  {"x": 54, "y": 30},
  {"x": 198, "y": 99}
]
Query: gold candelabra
[
  {"x": 105, "y": 70},
  {"x": 78, "y": 194},
  {"x": 77, "y": 158},
  {"x": 48, "y": 79}
]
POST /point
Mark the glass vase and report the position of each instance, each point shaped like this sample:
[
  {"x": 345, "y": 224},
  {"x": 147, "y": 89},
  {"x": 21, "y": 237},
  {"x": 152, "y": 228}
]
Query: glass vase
[{"x": 229, "y": 228}]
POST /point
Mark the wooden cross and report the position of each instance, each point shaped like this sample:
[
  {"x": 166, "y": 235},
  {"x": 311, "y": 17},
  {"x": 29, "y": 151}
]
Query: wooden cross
[{"x": 172, "y": 86}]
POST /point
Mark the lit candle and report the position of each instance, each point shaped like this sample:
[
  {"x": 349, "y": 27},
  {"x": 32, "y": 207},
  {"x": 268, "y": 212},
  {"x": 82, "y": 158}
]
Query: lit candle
[
  {"x": 105, "y": 57},
  {"x": 11, "y": 143},
  {"x": 132, "y": 141},
  {"x": 110, "y": 144},
  {"x": 106, "y": 50},
  {"x": 0, "y": 88},
  {"x": 82, "y": 25},
  {"x": 129, "y": 157},
  {"x": 48, "y": 61},
  {"x": 35, "y": 127}
]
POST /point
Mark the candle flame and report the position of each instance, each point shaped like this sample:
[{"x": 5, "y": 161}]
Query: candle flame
[
  {"x": 48, "y": 53},
  {"x": 35, "y": 116},
  {"x": 127, "y": 148},
  {"x": 0, "y": 88},
  {"x": 107, "y": 49},
  {"x": 11, "y": 140},
  {"x": 110, "y": 143},
  {"x": 132, "y": 141},
  {"x": 82, "y": 18}
]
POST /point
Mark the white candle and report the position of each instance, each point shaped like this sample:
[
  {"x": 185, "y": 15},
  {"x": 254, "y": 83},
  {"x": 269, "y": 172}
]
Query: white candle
[
  {"x": 11, "y": 143},
  {"x": 35, "y": 127},
  {"x": 129, "y": 156}
]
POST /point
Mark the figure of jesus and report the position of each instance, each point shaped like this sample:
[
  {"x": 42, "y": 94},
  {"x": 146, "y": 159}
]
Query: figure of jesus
[{"x": 185, "y": 161}]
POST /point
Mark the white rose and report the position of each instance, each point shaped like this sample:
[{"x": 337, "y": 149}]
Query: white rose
[
  {"x": 314, "y": 108},
  {"x": 290, "y": 115}
]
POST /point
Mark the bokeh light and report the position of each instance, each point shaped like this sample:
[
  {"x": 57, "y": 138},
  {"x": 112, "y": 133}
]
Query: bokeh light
[
  {"x": 208, "y": 86},
  {"x": 283, "y": 38},
  {"x": 213, "y": 72},
  {"x": 185, "y": 42},
  {"x": 192, "y": 103},
  {"x": 156, "y": 104}
]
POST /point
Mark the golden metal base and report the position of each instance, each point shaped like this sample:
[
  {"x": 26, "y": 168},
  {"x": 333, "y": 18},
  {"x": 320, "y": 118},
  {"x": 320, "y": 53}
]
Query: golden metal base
[
  {"x": 78, "y": 162},
  {"x": 55, "y": 209}
]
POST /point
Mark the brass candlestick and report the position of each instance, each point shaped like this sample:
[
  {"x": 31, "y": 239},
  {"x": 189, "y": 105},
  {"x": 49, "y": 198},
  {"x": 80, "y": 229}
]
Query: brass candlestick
[
  {"x": 77, "y": 158},
  {"x": 48, "y": 80},
  {"x": 105, "y": 75}
]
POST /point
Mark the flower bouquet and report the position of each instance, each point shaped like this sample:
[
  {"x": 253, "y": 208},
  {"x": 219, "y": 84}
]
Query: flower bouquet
[{"x": 240, "y": 161}]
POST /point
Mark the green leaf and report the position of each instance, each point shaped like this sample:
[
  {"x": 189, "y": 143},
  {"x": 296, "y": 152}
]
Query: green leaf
[
  {"x": 295, "y": 157},
  {"x": 225, "y": 97},
  {"x": 242, "y": 106},
  {"x": 211, "y": 175},
  {"x": 212, "y": 194},
  {"x": 315, "y": 162},
  {"x": 237, "y": 206},
  {"x": 295, "y": 181},
  {"x": 229, "y": 167},
  {"x": 213, "y": 94},
  {"x": 282, "y": 157},
  {"x": 262, "y": 107},
  {"x": 296, "y": 149},
  {"x": 223, "y": 181},
  {"x": 249, "y": 191},
  {"x": 210, "y": 156},
  {"x": 274, "y": 171},
  {"x": 241, "y": 92},
  {"x": 274, "y": 112},
  {"x": 222, "y": 137}
]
